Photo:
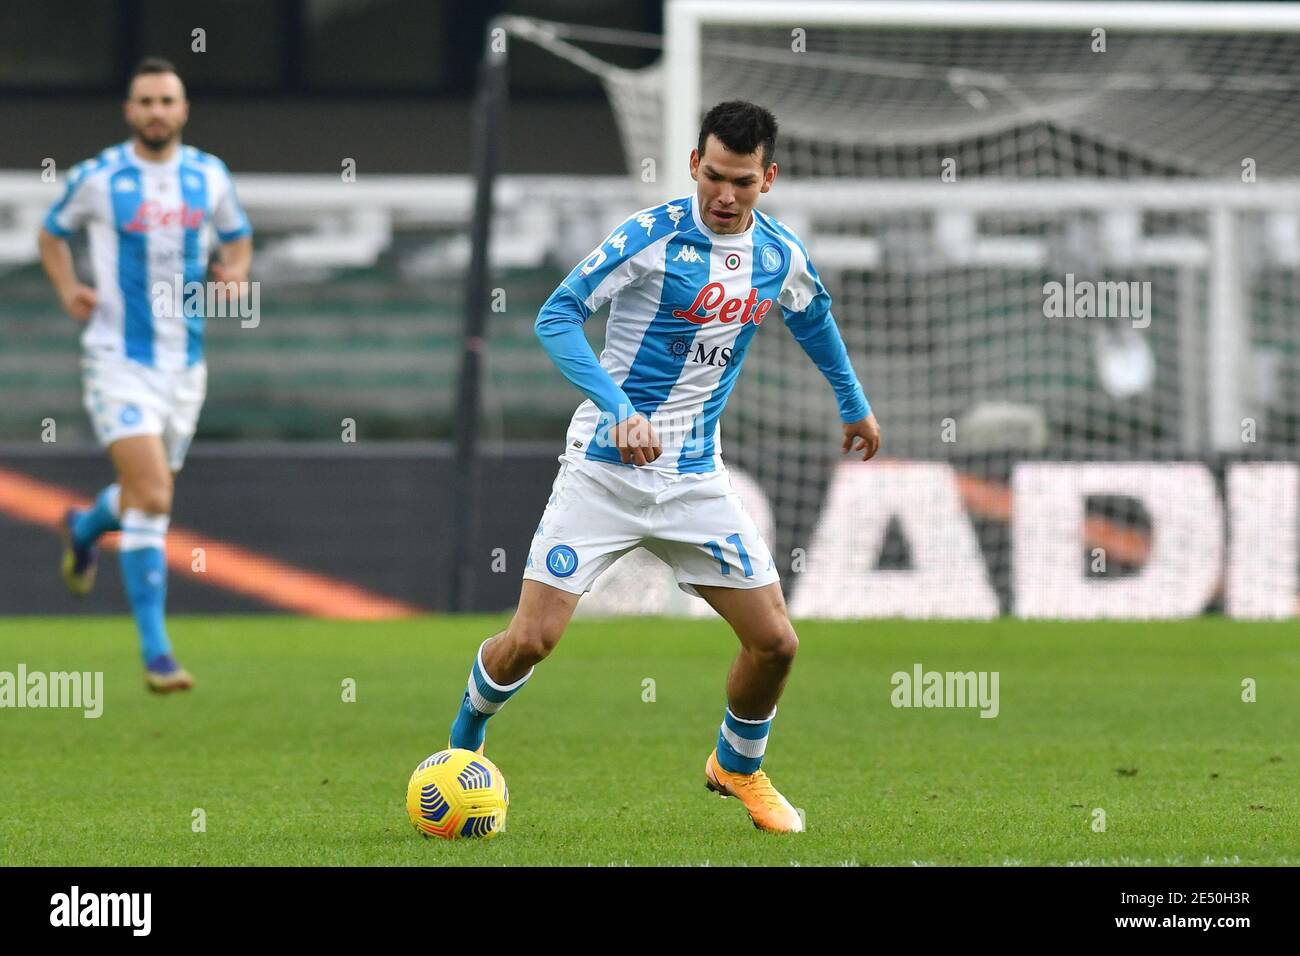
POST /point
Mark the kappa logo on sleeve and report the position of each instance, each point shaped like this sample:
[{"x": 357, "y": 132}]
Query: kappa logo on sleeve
[{"x": 597, "y": 258}]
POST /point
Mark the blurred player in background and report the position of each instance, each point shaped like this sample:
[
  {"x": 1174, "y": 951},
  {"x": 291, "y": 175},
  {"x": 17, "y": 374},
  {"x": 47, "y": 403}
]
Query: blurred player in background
[
  {"x": 689, "y": 283},
  {"x": 148, "y": 206}
]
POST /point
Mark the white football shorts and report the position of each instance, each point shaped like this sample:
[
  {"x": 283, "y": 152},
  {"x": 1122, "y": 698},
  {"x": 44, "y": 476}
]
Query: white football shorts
[
  {"x": 699, "y": 529},
  {"x": 125, "y": 398}
]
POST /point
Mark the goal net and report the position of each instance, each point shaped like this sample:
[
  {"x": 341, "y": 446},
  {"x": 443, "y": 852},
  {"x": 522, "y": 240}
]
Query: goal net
[{"x": 1062, "y": 242}]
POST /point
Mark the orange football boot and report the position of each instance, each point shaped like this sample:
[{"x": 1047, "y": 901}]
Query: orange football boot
[{"x": 767, "y": 808}]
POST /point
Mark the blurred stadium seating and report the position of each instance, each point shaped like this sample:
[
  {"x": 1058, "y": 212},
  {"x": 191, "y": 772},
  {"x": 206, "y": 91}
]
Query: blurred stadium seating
[{"x": 361, "y": 294}]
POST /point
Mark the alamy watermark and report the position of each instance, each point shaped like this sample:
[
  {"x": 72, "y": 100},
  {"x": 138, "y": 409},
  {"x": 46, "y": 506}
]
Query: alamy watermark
[
  {"x": 78, "y": 690},
  {"x": 130, "y": 910},
  {"x": 922, "y": 688},
  {"x": 210, "y": 300},
  {"x": 1085, "y": 299}
]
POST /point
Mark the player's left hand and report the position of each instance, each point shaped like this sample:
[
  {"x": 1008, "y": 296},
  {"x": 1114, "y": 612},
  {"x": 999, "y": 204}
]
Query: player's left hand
[
  {"x": 863, "y": 435},
  {"x": 233, "y": 278}
]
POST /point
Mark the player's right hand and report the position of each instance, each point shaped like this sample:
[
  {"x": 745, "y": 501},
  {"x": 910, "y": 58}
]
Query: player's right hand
[
  {"x": 636, "y": 440},
  {"x": 79, "y": 301}
]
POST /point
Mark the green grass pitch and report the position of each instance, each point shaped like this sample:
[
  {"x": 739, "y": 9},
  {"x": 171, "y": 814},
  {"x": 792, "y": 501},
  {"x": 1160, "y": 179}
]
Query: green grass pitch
[{"x": 1144, "y": 721}]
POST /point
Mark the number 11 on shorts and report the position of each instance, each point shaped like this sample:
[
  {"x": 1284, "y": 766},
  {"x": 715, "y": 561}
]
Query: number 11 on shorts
[{"x": 740, "y": 551}]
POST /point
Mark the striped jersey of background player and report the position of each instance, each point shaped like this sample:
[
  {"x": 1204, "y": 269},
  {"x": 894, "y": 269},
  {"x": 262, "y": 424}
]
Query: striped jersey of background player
[
  {"x": 149, "y": 206},
  {"x": 689, "y": 282}
]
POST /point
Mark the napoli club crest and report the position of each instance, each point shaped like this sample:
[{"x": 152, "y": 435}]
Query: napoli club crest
[
  {"x": 772, "y": 258},
  {"x": 562, "y": 560}
]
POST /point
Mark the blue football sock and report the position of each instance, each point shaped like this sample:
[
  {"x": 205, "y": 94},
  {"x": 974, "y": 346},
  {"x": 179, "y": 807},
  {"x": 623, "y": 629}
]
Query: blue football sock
[
  {"x": 483, "y": 698},
  {"x": 741, "y": 742},
  {"x": 144, "y": 572},
  {"x": 102, "y": 516}
]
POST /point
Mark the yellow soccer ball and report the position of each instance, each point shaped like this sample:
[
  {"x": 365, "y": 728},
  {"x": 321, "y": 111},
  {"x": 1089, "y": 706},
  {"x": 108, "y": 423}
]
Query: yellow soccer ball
[{"x": 456, "y": 794}]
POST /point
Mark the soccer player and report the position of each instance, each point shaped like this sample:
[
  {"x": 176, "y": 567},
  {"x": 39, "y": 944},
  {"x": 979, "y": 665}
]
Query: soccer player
[
  {"x": 690, "y": 282},
  {"x": 149, "y": 206}
]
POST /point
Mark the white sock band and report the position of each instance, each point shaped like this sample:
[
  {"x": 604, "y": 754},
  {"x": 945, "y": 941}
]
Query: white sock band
[{"x": 143, "y": 530}]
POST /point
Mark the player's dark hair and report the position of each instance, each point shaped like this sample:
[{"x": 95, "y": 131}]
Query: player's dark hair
[
  {"x": 148, "y": 66},
  {"x": 741, "y": 127}
]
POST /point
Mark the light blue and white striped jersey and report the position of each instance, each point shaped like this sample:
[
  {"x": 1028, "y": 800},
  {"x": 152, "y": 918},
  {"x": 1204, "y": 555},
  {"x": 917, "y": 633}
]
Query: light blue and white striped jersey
[
  {"x": 148, "y": 223},
  {"x": 684, "y": 304}
]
